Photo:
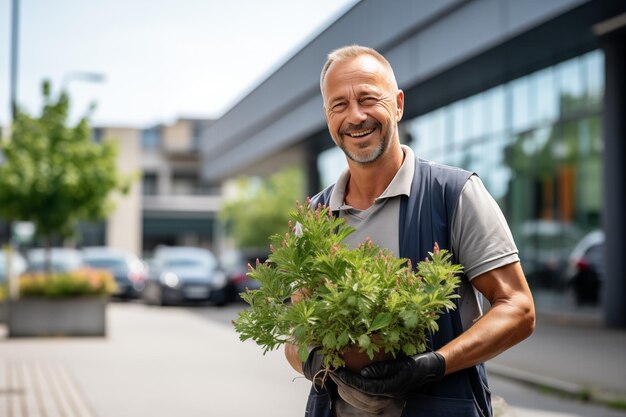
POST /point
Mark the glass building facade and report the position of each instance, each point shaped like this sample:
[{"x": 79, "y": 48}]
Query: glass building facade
[{"x": 536, "y": 143}]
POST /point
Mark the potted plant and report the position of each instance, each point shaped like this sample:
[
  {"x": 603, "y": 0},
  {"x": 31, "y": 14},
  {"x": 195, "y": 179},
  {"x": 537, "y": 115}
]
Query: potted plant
[
  {"x": 61, "y": 304},
  {"x": 362, "y": 299}
]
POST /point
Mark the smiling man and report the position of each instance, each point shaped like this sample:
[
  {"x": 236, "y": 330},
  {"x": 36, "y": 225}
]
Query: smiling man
[{"x": 407, "y": 204}]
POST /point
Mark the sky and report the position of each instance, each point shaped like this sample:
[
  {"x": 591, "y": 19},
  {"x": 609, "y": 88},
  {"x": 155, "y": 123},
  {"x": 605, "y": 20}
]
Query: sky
[{"x": 158, "y": 59}]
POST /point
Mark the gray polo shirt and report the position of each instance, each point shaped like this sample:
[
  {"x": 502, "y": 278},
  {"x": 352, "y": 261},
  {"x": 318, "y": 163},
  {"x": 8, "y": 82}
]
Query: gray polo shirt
[{"x": 480, "y": 236}]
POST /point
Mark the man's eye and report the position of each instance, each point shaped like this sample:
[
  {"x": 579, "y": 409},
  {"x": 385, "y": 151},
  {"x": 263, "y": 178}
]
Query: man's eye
[
  {"x": 339, "y": 106},
  {"x": 369, "y": 101}
]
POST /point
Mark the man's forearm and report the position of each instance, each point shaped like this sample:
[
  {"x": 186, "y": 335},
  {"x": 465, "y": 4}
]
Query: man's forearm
[
  {"x": 510, "y": 320},
  {"x": 291, "y": 353}
]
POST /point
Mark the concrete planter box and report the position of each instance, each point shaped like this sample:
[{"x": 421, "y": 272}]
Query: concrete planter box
[
  {"x": 41, "y": 317},
  {"x": 3, "y": 311}
]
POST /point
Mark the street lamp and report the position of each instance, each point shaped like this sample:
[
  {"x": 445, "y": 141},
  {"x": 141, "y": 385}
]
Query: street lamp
[
  {"x": 92, "y": 77},
  {"x": 84, "y": 76}
]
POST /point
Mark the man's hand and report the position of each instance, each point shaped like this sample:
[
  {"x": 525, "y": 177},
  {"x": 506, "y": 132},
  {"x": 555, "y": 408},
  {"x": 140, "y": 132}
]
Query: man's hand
[
  {"x": 397, "y": 377},
  {"x": 312, "y": 367}
]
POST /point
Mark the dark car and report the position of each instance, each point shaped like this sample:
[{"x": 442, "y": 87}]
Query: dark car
[
  {"x": 544, "y": 246},
  {"x": 235, "y": 265},
  {"x": 128, "y": 270},
  {"x": 181, "y": 275},
  {"x": 585, "y": 268}
]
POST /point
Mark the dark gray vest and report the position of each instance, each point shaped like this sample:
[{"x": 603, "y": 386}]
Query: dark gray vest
[{"x": 426, "y": 218}]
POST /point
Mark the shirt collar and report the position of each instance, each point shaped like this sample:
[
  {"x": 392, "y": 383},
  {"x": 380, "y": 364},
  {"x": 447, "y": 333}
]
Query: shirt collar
[{"x": 399, "y": 185}]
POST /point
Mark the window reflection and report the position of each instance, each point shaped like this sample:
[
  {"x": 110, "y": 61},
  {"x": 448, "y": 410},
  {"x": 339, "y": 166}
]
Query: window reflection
[
  {"x": 546, "y": 101},
  {"x": 571, "y": 88},
  {"x": 521, "y": 104},
  {"x": 536, "y": 143},
  {"x": 593, "y": 65}
]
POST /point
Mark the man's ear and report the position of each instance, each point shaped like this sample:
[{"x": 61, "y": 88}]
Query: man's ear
[{"x": 399, "y": 105}]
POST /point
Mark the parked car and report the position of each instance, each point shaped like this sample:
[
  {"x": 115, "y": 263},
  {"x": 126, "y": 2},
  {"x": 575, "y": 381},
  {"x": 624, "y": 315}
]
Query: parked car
[
  {"x": 129, "y": 271},
  {"x": 585, "y": 268},
  {"x": 185, "y": 274},
  {"x": 235, "y": 265},
  {"x": 544, "y": 246},
  {"x": 18, "y": 265},
  {"x": 61, "y": 259}
]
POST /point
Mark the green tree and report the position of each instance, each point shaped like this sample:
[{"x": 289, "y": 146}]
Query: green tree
[
  {"x": 262, "y": 208},
  {"x": 55, "y": 175}
]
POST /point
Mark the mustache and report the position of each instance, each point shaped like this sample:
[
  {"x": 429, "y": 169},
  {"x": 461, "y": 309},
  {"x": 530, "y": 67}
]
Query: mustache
[{"x": 365, "y": 125}]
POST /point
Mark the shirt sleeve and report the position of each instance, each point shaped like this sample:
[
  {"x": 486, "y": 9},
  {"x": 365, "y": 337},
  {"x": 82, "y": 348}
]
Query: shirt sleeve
[{"x": 481, "y": 238}]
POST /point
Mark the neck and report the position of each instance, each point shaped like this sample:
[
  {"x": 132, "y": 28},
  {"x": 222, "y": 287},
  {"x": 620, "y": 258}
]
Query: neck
[{"x": 368, "y": 181}]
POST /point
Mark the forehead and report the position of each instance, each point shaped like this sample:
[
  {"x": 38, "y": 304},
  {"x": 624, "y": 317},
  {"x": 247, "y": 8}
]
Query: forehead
[{"x": 364, "y": 70}]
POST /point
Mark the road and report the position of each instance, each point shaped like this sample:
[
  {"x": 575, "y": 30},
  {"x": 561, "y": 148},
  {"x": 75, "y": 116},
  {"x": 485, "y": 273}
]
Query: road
[{"x": 187, "y": 361}]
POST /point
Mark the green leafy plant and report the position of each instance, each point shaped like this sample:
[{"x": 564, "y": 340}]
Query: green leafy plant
[
  {"x": 343, "y": 297},
  {"x": 78, "y": 283}
]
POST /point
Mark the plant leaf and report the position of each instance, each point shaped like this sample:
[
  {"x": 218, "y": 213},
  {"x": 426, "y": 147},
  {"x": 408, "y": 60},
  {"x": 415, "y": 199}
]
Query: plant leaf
[
  {"x": 381, "y": 320},
  {"x": 303, "y": 353}
]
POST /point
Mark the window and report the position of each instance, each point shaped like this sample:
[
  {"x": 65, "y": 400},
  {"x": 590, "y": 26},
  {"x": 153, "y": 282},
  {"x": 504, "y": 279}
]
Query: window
[
  {"x": 149, "y": 184},
  {"x": 151, "y": 138},
  {"x": 536, "y": 143}
]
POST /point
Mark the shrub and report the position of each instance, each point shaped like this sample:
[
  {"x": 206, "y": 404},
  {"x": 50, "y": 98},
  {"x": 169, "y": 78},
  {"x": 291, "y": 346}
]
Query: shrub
[
  {"x": 81, "y": 282},
  {"x": 361, "y": 297}
]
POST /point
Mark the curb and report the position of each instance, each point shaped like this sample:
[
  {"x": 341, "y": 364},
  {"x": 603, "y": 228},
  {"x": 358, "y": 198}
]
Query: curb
[
  {"x": 569, "y": 318},
  {"x": 566, "y": 388}
]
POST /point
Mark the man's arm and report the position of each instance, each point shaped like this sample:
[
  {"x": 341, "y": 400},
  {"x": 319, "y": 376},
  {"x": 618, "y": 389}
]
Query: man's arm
[
  {"x": 291, "y": 350},
  {"x": 510, "y": 320},
  {"x": 291, "y": 353}
]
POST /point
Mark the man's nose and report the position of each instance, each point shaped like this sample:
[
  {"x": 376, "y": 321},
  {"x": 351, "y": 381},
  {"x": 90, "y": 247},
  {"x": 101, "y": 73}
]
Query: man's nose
[{"x": 356, "y": 114}]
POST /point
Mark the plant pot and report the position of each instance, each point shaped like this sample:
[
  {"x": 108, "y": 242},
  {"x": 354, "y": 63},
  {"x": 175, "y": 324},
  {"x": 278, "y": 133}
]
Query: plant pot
[
  {"x": 357, "y": 360},
  {"x": 45, "y": 317}
]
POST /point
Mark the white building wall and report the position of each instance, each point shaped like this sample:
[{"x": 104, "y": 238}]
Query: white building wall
[{"x": 124, "y": 224}]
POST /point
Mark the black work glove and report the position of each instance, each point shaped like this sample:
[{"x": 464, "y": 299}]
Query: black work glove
[
  {"x": 397, "y": 377},
  {"x": 312, "y": 367}
]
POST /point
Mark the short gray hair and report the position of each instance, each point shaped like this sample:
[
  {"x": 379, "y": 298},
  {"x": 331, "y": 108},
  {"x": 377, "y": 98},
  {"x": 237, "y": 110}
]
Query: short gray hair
[{"x": 350, "y": 52}]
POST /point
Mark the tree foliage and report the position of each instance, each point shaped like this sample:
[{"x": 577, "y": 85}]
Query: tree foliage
[
  {"x": 55, "y": 175},
  {"x": 261, "y": 208}
]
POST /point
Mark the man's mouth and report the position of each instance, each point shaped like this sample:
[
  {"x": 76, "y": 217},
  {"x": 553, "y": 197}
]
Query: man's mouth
[{"x": 360, "y": 133}]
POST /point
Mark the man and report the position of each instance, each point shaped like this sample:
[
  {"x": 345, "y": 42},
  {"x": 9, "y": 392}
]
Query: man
[{"x": 406, "y": 205}]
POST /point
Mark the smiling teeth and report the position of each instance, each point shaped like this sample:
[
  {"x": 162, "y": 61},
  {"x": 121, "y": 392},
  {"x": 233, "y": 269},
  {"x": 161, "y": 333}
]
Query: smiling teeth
[{"x": 363, "y": 133}]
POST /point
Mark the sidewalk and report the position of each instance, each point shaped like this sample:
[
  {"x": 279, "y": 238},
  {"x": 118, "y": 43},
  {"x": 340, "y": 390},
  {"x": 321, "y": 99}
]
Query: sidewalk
[
  {"x": 149, "y": 355},
  {"x": 157, "y": 362},
  {"x": 572, "y": 353}
]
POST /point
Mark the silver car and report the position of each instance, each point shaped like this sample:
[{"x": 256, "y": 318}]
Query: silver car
[
  {"x": 181, "y": 275},
  {"x": 56, "y": 259}
]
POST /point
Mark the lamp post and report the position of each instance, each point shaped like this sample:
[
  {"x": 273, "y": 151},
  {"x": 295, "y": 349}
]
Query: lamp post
[
  {"x": 15, "y": 10},
  {"x": 92, "y": 77}
]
